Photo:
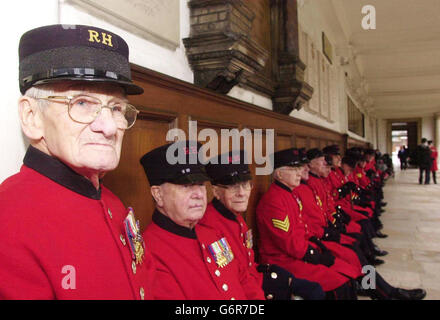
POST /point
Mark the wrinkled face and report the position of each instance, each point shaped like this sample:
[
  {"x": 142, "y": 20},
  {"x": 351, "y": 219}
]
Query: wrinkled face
[
  {"x": 290, "y": 176},
  {"x": 83, "y": 147},
  {"x": 327, "y": 170},
  {"x": 305, "y": 172},
  {"x": 346, "y": 168},
  {"x": 184, "y": 204},
  {"x": 234, "y": 197},
  {"x": 317, "y": 166},
  {"x": 336, "y": 160}
]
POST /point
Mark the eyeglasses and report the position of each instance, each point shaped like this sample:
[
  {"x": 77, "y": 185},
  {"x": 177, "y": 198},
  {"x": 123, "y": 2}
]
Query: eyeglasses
[
  {"x": 246, "y": 185},
  {"x": 85, "y": 109}
]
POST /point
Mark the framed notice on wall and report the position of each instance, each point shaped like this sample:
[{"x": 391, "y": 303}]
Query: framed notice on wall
[
  {"x": 154, "y": 20},
  {"x": 356, "y": 119},
  {"x": 327, "y": 48}
]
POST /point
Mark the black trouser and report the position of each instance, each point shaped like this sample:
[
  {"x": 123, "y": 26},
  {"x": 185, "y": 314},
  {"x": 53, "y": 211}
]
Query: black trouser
[
  {"x": 345, "y": 292},
  {"x": 284, "y": 284},
  {"x": 383, "y": 290},
  {"x": 427, "y": 175},
  {"x": 434, "y": 178},
  {"x": 403, "y": 164}
]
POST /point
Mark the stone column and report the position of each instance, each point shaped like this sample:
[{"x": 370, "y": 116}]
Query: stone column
[{"x": 437, "y": 130}]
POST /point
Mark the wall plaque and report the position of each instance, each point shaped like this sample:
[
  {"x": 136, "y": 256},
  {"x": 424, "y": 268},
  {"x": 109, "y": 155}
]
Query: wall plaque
[
  {"x": 327, "y": 48},
  {"x": 155, "y": 20}
]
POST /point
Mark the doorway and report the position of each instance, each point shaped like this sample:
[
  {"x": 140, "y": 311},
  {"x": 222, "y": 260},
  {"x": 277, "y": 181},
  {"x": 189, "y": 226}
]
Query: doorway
[{"x": 404, "y": 133}]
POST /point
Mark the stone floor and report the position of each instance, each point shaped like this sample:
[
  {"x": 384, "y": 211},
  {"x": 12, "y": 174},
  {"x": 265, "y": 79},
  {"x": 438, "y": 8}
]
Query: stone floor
[{"x": 412, "y": 221}]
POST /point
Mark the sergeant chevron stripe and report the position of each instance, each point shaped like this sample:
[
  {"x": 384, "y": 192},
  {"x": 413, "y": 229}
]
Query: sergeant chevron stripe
[{"x": 280, "y": 224}]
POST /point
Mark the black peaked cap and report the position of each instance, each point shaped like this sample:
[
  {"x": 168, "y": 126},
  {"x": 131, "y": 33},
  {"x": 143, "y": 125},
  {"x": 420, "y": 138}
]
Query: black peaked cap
[
  {"x": 332, "y": 150},
  {"x": 229, "y": 168},
  {"x": 287, "y": 158},
  {"x": 176, "y": 163},
  {"x": 74, "y": 52},
  {"x": 314, "y": 153}
]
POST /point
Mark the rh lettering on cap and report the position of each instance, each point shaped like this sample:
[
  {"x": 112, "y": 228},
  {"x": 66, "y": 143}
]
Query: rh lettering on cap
[{"x": 104, "y": 38}]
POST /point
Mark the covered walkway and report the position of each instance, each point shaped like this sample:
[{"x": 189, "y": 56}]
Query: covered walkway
[{"x": 412, "y": 221}]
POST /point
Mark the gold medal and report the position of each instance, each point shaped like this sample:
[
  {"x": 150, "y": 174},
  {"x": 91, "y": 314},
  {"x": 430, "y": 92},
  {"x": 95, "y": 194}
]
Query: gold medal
[{"x": 139, "y": 252}]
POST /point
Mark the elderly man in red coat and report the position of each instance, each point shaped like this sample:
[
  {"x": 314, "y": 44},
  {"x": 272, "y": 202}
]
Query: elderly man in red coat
[
  {"x": 63, "y": 234},
  {"x": 285, "y": 239},
  {"x": 193, "y": 261},
  {"x": 332, "y": 238},
  {"x": 232, "y": 185}
]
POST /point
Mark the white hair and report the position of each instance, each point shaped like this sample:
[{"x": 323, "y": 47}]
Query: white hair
[{"x": 41, "y": 91}]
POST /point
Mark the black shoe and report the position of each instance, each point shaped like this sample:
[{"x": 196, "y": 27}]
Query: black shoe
[
  {"x": 383, "y": 204},
  {"x": 382, "y": 210},
  {"x": 413, "y": 294},
  {"x": 379, "y": 234},
  {"x": 376, "y": 262},
  {"x": 380, "y": 253}
]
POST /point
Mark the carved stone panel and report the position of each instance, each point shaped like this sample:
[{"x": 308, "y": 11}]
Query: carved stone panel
[
  {"x": 333, "y": 92},
  {"x": 313, "y": 77},
  {"x": 323, "y": 87},
  {"x": 219, "y": 49},
  {"x": 250, "y": 43}
]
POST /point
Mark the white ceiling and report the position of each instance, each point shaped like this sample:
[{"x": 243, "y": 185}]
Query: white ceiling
[{"x": 399, "y": 61}]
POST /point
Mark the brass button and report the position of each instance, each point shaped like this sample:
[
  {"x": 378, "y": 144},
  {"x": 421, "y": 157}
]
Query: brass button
[
  {"x": 269, "y": 297},
  {"x": 208, "y": 259},
  {"x": 110, "y": 213},
  {"x": 225, "y": 287},
  {"x": 232, "y": 298},
  {"x": 217, "y": 273},
  {"x": 250, "y": 264},
  {"x": 142, "y": 293},
  {"x": 122, "y": 239},
  {"x": 133, "y": 267},
  {"x": 203, "y": 246},
  {"x": 273, "y": 275}
]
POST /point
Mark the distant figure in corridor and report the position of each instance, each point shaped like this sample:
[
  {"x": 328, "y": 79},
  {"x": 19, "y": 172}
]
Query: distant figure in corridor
[
  {"x": 423, "y": 158},
  {"x": 434, "y": 156},
  {"x": 403, "y": 157}
]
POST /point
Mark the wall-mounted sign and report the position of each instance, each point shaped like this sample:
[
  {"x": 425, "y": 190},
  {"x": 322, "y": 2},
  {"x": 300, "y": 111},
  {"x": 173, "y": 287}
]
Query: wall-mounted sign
[
  {"x": 154, "y": 20},
  {"x": 327, "y": 48}
]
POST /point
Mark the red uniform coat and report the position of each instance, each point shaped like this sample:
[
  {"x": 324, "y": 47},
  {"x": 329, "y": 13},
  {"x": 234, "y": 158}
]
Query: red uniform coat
[
  {"x": 363, "y": 180},
  {"x": 335, "y": 180},
  {"x": 314, "y": 210},
  {"x": 434, "y": 156},
  {"x": 352, "y": 226},
  {"x": 352, "y": 178},
  {"x": 63, "y": 239},
  {"x": 283, "y": 240},
  {"x": 240, "y": 238},
  {"x": 187, "y": 270}
]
